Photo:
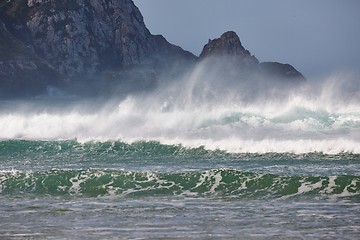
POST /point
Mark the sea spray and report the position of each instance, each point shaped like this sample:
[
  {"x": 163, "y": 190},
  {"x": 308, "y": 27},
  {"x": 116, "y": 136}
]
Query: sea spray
[{"x": 310, "y": 117}]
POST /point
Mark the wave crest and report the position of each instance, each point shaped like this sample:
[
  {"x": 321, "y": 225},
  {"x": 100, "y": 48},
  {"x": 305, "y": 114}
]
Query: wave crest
[
  {"x": 216, "y": 182},
  {"x": 317, "y": 117}
]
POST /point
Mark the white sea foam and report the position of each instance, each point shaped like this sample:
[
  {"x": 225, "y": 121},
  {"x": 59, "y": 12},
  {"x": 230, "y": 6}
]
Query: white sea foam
[{"x": 308, "y": 118}]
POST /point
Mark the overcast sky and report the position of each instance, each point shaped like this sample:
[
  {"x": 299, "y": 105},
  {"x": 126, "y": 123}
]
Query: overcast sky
[{"x": 318, "y": 37}]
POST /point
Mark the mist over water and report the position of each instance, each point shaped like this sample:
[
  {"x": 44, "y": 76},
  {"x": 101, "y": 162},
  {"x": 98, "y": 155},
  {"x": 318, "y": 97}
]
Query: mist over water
[
  {"x": 139, "y": 164},
  {"x": 208, "y": 106}
]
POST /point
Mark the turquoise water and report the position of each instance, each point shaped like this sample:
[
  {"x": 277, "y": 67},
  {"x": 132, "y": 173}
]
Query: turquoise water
[
  {"x": 149, "y": 190},
  {"x": 179, "y": 164}
]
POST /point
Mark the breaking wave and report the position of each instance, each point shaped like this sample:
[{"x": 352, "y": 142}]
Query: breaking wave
[
  {"x": 239, "y": 118},
  {"x": 217, "y": 182}
]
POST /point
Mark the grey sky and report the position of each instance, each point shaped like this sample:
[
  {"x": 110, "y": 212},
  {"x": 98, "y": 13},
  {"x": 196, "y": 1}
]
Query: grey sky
[{"x": 318, "y": 37}]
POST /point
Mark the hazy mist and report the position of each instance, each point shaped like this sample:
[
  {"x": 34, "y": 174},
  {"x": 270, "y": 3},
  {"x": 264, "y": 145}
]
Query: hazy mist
[{"x": 317, "y": 37}]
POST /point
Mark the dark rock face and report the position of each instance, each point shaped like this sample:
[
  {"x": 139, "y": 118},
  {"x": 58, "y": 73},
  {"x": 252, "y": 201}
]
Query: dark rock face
[
  {"x": 80, "y": 38},
  {"x": 22, "y": 73},
  {"x": 280, "y": 70},
  {"x": 228, "y": 45},
  {"x": 103, "y": 46}
]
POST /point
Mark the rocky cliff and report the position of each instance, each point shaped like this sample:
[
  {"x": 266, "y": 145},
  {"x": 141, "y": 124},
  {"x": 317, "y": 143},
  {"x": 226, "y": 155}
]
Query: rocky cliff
[
  {"x": 22, "y": 72},
  {"x": 101, "y": 45},
  {"x": 228, "y": 48},
  {"x": 83, "y": 38}
]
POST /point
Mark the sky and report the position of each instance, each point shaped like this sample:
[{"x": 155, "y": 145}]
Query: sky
[{"x": 317, "y": 37}]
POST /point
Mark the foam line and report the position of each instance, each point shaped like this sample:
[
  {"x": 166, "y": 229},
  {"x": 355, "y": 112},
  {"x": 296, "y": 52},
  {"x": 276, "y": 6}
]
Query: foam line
[{"x": 309, "y": 118}]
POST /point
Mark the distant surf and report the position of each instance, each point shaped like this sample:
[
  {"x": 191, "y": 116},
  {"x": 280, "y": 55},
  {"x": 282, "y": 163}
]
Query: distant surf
[
  {"x": 182, "y": 157},
  {"x": 310, "y": 118}
]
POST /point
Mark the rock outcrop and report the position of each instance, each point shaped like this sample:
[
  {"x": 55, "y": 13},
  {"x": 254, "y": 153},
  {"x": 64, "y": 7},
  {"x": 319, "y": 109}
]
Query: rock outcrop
[
  {"x": 229, "y": 46},
  {"x": 228, "y": 52},
  {"x": 101, "y": 46},
  {"x": 280, "y": 71},
  {"x": 81, "y": 38}
]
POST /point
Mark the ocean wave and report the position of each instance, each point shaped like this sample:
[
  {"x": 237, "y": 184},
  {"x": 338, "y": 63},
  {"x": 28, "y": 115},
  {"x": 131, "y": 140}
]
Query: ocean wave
[
  {"x": 314, "y": 117},
  {"x": 228, "y": 183},
  {"x": 30, "y": 149}
]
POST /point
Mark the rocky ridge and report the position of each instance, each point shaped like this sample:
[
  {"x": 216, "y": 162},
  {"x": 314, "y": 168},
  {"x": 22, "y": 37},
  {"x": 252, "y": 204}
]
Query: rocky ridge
[
  {"x": 80, "y": 37},
  {"x": 97, "y": 43},
  {"x": 229, "y": 45},
  {"x": 228, "y": 48}
]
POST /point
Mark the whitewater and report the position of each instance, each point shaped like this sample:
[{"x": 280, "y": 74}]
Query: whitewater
[
  {"x": 318, "y": 117},
  {"x": 193, "y": 158}
]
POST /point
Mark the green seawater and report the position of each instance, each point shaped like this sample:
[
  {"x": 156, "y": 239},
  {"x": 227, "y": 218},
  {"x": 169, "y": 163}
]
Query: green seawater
[
  {"x": 148, "y": 190},
  {"x": 183, "y": 162}
]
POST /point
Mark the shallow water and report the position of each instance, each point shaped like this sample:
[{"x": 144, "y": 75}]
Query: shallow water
[
  {"x": 178, "y": 164},
  {"x": 156, "y": 191},
  {"x": 177, "y": 218}
]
